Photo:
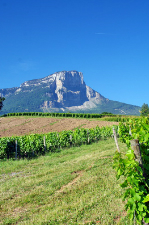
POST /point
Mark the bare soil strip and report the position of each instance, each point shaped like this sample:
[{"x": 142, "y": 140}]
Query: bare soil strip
[
  {"x": 74, "y": 181},
  {"x": 80, "y": 173},
  {"x": 17, "y": 126}
]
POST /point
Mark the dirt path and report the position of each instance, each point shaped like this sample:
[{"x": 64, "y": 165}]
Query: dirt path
[{"x": 16, "y": 126}]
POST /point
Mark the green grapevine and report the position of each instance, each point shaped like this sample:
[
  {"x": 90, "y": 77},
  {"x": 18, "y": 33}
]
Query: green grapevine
[
  {"x": 136, "y": 181},
  {"x": 33, "y": 145}
]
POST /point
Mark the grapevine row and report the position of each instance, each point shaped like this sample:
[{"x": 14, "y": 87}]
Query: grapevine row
[
  {"x": 33, "y": 145},
  {"x": 105, "y": 116},
  {"x": 136, "y": 177}
]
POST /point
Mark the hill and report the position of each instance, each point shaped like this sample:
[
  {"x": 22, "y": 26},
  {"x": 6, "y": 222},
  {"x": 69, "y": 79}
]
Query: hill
[{"x": 61, "y": 92}]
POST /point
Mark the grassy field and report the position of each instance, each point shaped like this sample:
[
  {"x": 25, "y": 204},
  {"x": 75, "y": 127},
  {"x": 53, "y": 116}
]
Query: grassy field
[{"x": 74, "y": 186}]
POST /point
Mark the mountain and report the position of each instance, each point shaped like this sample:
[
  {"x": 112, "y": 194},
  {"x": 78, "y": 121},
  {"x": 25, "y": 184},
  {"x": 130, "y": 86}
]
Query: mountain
[{"x": 61, "y": 92}]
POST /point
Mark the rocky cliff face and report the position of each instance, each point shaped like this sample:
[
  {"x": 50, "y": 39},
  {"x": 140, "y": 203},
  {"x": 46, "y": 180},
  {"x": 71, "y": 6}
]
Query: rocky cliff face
[
  {"x": 62, "y": 90},
  {"x": 71, "y": 90}
]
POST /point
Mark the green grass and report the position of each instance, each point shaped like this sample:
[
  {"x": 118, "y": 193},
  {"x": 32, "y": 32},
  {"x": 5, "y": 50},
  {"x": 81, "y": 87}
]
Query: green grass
[{"x": 74, "y": 186}]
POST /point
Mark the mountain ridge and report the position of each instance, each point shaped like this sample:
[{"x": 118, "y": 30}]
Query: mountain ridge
[{"x": 61, "y": 91}]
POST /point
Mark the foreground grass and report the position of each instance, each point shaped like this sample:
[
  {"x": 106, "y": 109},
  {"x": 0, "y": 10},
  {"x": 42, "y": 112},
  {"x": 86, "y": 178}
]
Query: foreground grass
[{"x": 74, "y": 186}]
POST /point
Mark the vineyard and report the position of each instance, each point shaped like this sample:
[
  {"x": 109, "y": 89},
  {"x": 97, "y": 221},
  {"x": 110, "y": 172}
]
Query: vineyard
[
  {"x": 29, "y": 146},
  {"x": 134, "y": 166},
  {"x": 29, "y": 136},
  {"x": 26, "y": 197}
]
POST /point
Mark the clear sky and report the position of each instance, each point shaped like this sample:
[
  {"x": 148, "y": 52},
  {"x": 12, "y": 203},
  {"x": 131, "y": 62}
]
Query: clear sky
[{"x": 106, "y": 40}]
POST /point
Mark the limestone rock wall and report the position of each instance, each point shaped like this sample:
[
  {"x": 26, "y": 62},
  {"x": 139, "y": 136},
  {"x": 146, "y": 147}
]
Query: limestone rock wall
[{"x": 59, "y": 90}]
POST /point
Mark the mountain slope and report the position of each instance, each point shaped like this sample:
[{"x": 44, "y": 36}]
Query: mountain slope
[{"x": 61, "y": 91}]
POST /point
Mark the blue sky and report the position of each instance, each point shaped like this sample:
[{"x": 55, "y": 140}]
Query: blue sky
[{"x": 106, "y": 40}]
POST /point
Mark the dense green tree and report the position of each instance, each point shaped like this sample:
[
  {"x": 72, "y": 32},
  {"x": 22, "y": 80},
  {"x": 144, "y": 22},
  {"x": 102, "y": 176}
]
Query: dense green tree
[
  {"x": 1, "y": 102},
  {"x": 107, "y": 113},
  {"x": 145, "y": 110}
]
